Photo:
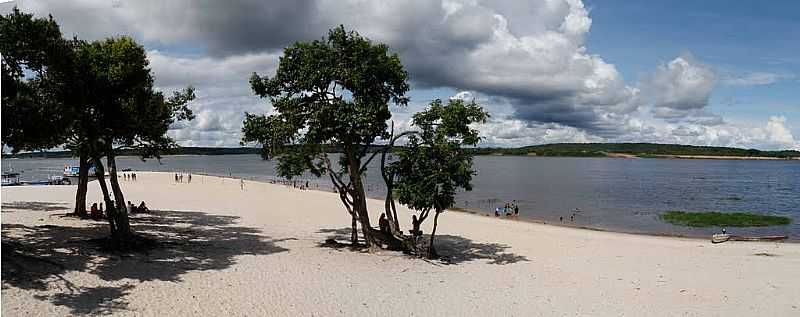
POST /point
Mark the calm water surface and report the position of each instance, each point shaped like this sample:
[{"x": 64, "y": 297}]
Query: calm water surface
[{"x": 616, "y": 194}]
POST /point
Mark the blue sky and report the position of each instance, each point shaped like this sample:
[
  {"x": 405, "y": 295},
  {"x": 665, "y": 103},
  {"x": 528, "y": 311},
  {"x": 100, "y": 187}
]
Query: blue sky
[
  {"x": 723, "y": 73},
  {"x": 737, "y": 38}
]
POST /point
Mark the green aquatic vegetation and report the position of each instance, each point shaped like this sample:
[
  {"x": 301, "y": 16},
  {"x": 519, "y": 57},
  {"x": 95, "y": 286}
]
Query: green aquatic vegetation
[{"x": 714, "y": 218}]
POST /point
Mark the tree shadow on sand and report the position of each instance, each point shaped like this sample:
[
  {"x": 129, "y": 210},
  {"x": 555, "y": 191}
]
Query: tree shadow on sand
[
  {"x": 33, "y": 205},
  {"x": 38, "y": 257},
  {"x": 451, "y": 249}
]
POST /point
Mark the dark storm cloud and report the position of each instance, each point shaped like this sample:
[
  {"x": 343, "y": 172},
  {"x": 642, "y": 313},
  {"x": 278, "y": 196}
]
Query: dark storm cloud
[
  {"x": 529, "y": 52},
  {"x": 220, "y": 28},
  {"x": 526, "y": 60},
  {"x": 236, "y": 27}
]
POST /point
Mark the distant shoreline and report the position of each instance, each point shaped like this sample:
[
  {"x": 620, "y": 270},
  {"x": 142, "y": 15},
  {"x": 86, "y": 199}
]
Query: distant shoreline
[
  {"x": 791, "y": 239},
  {"x": 615, "y": 150},
  {"x": 480, "y": 213},
  {"x": 660, "y": 156},
  {"x": 717, "y": 157},
  {"x": 608, "y": 155}
]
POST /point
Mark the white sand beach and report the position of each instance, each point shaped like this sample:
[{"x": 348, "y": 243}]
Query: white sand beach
[{"x": 257, "y": 252}]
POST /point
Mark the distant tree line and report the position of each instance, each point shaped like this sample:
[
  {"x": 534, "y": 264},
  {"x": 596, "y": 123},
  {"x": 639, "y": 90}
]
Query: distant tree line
[
  {"x": 637, "y": 149},
  {"x": 555, "y": 149}
]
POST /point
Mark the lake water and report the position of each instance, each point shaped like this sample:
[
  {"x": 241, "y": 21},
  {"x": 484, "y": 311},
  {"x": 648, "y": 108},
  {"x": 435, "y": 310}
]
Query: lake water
[{"x": 625, "y": 195}]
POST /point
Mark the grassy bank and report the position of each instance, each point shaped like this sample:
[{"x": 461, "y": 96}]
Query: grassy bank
[{"x": 737, "y": 219}]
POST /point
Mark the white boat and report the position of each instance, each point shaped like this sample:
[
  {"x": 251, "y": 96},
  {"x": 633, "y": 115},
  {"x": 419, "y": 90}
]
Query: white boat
[
  {"x": 720, "y": 238},
  {"x": 10, "y": 179},
  {"x": 59, "y": 180},
  {"x": 74, "y": 171}
]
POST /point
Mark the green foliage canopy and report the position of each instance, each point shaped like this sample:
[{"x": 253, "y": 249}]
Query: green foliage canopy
[
  {"x": 36, "y": 68},
  {"x": 123, "y": 108},
  {"x": 333, "y": 91},
  {"x": 434, "y": 164}
]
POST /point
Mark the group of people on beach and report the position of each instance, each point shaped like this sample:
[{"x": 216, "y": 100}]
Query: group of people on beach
[
  {"x": 510, "y": 209},
  {"x": 179, "y": 178},
  {"x": 96, "y": 211},
  {"x": 129, "y": 177},
  {"x": 299, "y": 184}
]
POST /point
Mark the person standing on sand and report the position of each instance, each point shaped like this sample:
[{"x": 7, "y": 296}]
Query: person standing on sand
[
  {"x": 190, "y": 178},
  {"x": 176, "y": 177},
  {"x": 241, "y": 183}
]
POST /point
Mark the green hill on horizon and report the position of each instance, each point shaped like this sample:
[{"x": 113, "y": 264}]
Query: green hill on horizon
[{"x": 635, "y": 149}]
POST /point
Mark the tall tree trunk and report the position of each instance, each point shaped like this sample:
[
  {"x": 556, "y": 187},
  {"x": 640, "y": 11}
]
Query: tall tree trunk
[
  {"x": 391, "y": 211},
  {"x": 83, "y": 182},
  {"x": 344, "y": 190},
  {"x": 354, "y": 230},
  {"x": 396, "y": 220},
  {"x": 360, "y": 207},
  {"x": 431, "y": 250},
  {"x": 123, "y": 224},
  {"x": 387, "y": 207},
  {"x": 360, "y": 200},
  {"x": 110, "y": 208},
  {"x": 388, "y": 179}
]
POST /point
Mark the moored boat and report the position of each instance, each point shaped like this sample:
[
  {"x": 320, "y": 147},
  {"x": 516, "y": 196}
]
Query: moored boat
[
  {"x": 11, "y": 179},
  {"x": 74, "y": 171},
  {"x": 719, "y": 238}
]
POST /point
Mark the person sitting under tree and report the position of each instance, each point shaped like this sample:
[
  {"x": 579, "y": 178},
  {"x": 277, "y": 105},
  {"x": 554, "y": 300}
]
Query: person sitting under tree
[
  {"x": 94, "y": 212},
  {"x": 142, "y": 208}
]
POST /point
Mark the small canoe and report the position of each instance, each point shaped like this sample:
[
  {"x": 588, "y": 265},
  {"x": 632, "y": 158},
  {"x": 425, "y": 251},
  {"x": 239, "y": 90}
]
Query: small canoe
[{"x": 719, "y": 238}]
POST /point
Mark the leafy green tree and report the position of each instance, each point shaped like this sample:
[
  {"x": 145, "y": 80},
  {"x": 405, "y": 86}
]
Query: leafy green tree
[
  {"x": 125, "y": 113},
  {"x": 434, "y": 164},
  {"x": 34, "y": 64},
  {"x": 92, "y": 98},
  {"x": 39, "y": 87},
  {"x": 333, "y": 92}
]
